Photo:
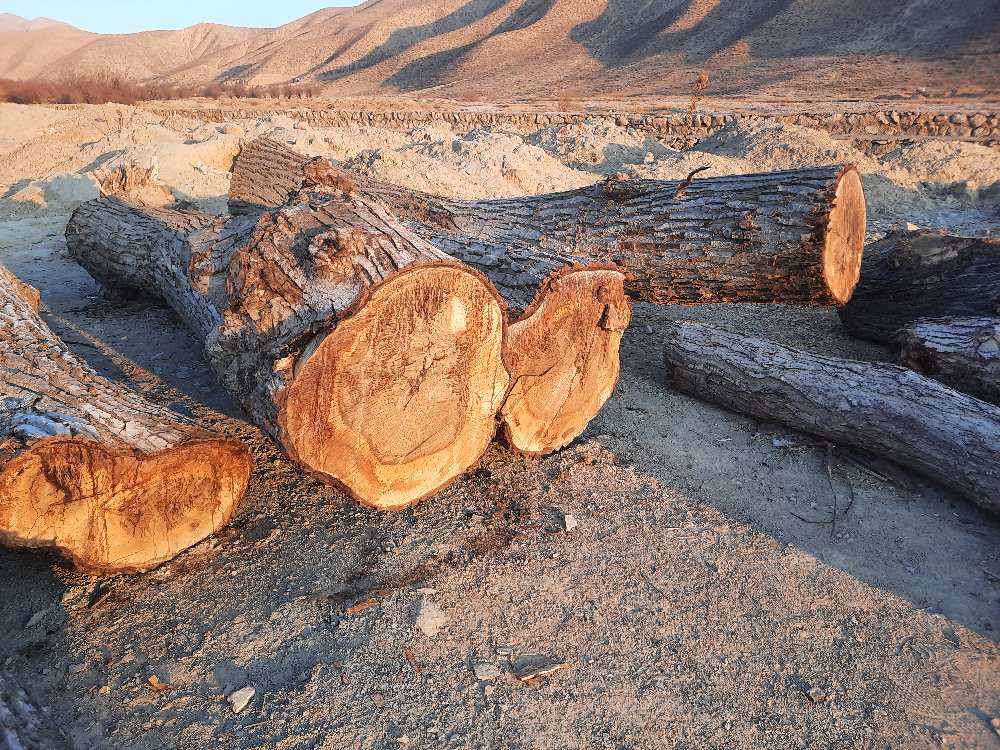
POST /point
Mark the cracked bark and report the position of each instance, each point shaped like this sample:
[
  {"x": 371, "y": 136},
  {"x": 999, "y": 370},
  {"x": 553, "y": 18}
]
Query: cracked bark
[
  {"x": 92, "y": 470},
  {"x": 923, "y": 274},
  {"x": 891, "y": 411},
  {"x": 373, "y": 358},
  {"x": 961, "y": 352}
]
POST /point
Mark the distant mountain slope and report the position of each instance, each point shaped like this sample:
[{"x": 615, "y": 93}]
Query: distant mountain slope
[{"x": 556, "y": 47}]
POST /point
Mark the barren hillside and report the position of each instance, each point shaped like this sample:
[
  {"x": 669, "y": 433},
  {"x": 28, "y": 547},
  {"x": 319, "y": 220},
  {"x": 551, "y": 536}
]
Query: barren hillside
[{"x": 526, "y": 47}]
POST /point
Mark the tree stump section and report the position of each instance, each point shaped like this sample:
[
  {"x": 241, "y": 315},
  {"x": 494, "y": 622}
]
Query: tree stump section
[
  {"x": 912, "y": 275},
  {"x": 793, "y": 237},
  {"x": 893, "y": 412},
  {"x": 961, "y": 352},
  {"x": 90, "y": 469},
  {"x": 373, "y": 358}
]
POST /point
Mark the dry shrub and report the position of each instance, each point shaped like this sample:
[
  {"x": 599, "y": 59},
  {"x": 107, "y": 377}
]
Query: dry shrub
[
  {"x": 110, "y": 88},
  {"x": 700, "y": 87}
]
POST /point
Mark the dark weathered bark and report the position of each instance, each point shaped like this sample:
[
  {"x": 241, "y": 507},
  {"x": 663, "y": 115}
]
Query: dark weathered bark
[
  {"x": 961, "y": 352},
  {"x": 923, "y": 274},
  {"x": 793, "y": 237},
  {"x": 93, "y": 470},
  {"x": 371, "y": 356},
  {"x": 23, "y": 725},
  {"x": 893, "y": 412}
]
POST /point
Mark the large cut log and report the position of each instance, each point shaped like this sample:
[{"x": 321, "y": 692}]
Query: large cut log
[
  {"x": 373, "y": 358},
  {"x": 794, "y": 237},
  {"x": 894, "y": 412},
  {"x": 961, "y": 352},
  {"x": 23, "y": 725},
  {"x": 923, "y": 274},
  {"x": 566, "y": 318},
  {"x": 91, "y": 469}
]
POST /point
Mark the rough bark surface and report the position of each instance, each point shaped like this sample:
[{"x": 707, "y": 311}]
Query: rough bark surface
[
  {"x": 23, "y": 725},
  {"x": 948, "y": 436},
  {"x": 912, "y": 275},
  {"x": 371, "y": 356},
  {"x": 92, "y": 470},
  {"x": 567, "y": 319},
  {"x": 793, "y": 237},
  {"x": 961, "y": 352}
]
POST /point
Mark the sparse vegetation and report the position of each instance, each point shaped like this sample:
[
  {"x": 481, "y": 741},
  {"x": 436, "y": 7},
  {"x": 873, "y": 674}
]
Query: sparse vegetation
[
  {"x": 700, "y": 87},
  {"x": 109, "y": 88}
]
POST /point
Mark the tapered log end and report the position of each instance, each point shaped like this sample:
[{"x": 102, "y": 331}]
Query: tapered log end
[
  {"x": 402, "y": 396},
  {"x": 845, "y": 236},
  {"x": 563, "y": 357},
  {"x": 118, "y": 511}
]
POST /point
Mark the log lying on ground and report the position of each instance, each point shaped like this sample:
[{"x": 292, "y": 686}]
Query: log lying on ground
[
  {"x": 92, "y": 470},
  {"x": 923, "y": 274},
  {"x": 23, "y": 725},
  {"x": 567, "y": 319},
  {"x": 794, "y": 237},
  {"x": 370, "y": 356},
  {"x": 896, "y": 413},
  {"x": 961, "y": 352}
]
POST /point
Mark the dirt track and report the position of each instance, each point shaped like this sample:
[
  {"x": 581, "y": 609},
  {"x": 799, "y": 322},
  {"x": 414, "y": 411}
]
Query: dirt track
[{"x": 691, "y": 604}]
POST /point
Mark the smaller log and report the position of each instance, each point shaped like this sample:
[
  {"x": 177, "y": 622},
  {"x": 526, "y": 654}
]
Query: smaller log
[
  {"x": 961, "y": 352},
  {"x": 23, "y": 725},
  {"x": 92, "y": 470},
  {"x": 912, "y": 275},
  {"x": 893, "y": 412}
]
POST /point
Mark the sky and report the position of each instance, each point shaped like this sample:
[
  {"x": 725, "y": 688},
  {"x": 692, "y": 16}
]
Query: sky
[{"x": 125, "y": 16}]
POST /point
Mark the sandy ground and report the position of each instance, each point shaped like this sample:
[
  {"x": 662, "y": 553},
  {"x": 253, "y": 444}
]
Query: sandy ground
[{"x": 691, "y": 604}]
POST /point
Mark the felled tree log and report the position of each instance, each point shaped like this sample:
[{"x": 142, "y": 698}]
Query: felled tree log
[
  {"x": 794, "y": 237},
  {"x": 566, "y": 318},
  {"x": 911, "y": 275},
  {"x": 372, "y": 357},
  {"x": 961, "y": 352},
  {"x": 23, "y": 725},
  {"x": 896, "y": 413},
  {"x": 90, "y": 469}
]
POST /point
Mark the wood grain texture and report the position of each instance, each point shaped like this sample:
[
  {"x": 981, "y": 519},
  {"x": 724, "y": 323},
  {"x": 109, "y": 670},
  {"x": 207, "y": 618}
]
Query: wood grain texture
[
  {"x": 961, "y": 352},
  {"x": 923, "y": 274},
  {"x": 92, "y": 470},
  {"x": 891, "y": 411},
  {"x": 338, "y": 330}
]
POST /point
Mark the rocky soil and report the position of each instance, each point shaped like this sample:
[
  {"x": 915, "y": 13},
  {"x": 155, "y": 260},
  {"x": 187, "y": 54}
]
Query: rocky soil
[{"x": 675, "y": 571}]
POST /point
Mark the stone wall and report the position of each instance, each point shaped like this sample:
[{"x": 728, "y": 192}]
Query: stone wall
[{"x": 882, "y": 126}]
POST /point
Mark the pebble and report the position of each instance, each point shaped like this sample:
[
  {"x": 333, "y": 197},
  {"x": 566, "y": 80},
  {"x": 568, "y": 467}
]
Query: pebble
[
  {"x": 487, "y": 672},
  {"x": 569, "y": 522},
  {"x": 36, "y": 618},
  {"x": 241, "y": 699},
  {"x": 378, "y": 699},
  {"x": 431, "y": 618}
]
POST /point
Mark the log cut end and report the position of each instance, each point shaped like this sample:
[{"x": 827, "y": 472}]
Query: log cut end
[
  {"x": 402, "y": 396},
  {"x": 845, "y": 236},
  {"x": 118, "y": 510},
  {"x": 563, "y": 358}
]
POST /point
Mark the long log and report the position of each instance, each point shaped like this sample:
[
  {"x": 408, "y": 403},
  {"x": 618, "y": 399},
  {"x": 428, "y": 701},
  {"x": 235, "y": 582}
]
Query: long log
[
  {"x": 894, "y": 412},
  {"x": 23, "y": 725},
  {"x": 923, "y": 274},
  {"x": 566, "y": 319},
  {"x": 961, "y": 352},
  {"x": 374, "y": 359},
  {"x": 794, "y": 237},
  {"x": 92, "y": 470}
]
